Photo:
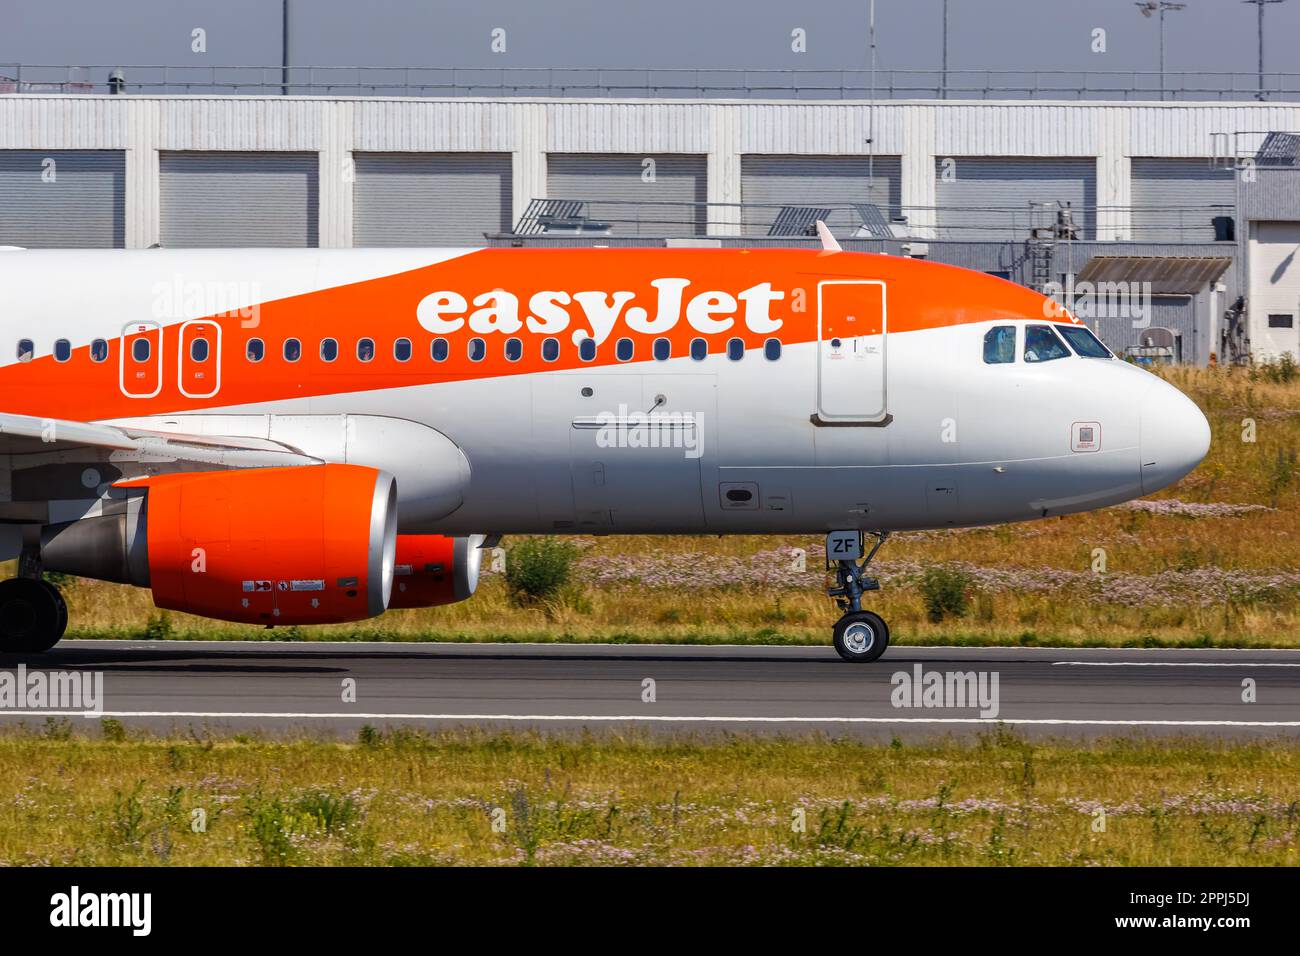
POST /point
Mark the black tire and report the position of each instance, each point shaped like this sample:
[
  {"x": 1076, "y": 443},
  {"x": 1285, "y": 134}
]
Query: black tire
[
  {"x": 63, "y": 609},
  {"x": 861, "y": 637},
  {"x": 32, "y": 616}
]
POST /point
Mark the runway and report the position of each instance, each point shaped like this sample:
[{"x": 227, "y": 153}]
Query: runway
[{"x": 336, "y": 688}]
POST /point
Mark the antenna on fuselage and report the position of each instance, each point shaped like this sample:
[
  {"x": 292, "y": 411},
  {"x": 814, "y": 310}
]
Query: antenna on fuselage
[{"x": 829, "y": 242}]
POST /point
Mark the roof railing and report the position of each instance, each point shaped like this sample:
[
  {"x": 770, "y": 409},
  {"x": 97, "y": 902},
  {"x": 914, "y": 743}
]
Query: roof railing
[
  {"x": 675, "y": 83},
  {"x": 583, "y": 218}
]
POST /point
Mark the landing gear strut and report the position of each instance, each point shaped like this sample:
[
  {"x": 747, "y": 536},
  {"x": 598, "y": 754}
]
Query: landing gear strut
[
  {"x": 859, "y": 636},
  {"x": 33, "y": 615}
]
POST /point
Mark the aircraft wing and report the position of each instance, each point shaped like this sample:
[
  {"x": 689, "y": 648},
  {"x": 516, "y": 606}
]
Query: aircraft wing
[
  {"x": 54, "y": 470},
  {"x": 25, "y": 436},
  {"x": 52, "y": 459}
]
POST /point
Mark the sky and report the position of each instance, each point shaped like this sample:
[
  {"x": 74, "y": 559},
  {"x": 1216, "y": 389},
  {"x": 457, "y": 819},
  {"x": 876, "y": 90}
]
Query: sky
[{"x": 1208, "y": 35}]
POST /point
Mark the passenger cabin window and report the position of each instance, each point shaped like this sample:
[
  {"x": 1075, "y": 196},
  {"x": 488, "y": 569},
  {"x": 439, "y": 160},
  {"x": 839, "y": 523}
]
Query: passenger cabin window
[
  {"x": 98, "y": 350},
  {"x": 140, "y": 350},
  {"x": 1042, "y": 345},
  {"x": 772, "y": 349},
  {"x": 699, "y": 349},
  {"x": 550, "y": 350},
  {"x": 439, "y": 350},
  {"x": 62, "y": 350},
  {"x": 402, "y": 350},
  {"x": 292, "y": 350},
  {"x": 735, "y": 349},
  {"x": 198, "y": 350},
  {"x": 587, "y": 350},
  {"x": 26, "y": 349},
  {"x": 1000, "y": 345},
  {"x": 477, "y": 350},
  {"x": 624, "y": 350},
  {"x": 255, "y": 350},
  {"x": 1083, "y": 341},
  {"x": 514, "y": 349},
  {"x": 329, "y": 350},
  {"x": 663, "y": 350},
  {"x": 365, "y": 350}
]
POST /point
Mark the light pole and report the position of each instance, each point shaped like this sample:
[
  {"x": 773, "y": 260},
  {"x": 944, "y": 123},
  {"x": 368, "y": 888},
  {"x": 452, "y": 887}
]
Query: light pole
[
  {"x": 871, "y": 110},
  {"x": 1148, "y": 7},
  {"x": 943, "y": 93},
  {"x": 284, "y": 47},
  {"x": 1260, "y": 5}
]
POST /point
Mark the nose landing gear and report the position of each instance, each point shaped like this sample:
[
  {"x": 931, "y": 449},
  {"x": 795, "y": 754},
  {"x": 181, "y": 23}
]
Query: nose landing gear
[{"x": 859, "y": 636}]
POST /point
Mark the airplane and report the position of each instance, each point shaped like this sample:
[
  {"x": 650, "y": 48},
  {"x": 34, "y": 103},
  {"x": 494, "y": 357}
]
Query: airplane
[{"x": 295, "y": 437}]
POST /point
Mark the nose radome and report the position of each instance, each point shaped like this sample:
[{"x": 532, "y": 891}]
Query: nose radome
[{"x": 1174, "y": 436}]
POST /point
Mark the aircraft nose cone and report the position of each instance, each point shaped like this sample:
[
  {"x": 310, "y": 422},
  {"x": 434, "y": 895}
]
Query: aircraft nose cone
[{"x": 1174, "y": 436}]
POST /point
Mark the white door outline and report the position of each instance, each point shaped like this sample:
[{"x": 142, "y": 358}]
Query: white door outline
[
  {"x": 136, "y": 328},
  {"x": 839, "y": 418},
  {"x": 214, "y": 356}
]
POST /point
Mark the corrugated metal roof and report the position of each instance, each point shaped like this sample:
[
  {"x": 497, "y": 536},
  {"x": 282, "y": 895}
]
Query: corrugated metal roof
[
  {"x": 1279, "y": 149},
  {"x": 1168, "y": 275}
]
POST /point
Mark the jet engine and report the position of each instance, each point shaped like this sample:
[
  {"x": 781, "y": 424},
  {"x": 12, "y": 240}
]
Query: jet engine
[
  {"x": 433, "y": 569},
  {"x": 303, "y": 545}
]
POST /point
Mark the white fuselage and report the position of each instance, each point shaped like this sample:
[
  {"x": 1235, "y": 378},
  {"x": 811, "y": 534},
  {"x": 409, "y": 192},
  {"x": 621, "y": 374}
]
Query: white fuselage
[{"x": 645, "y": 446}]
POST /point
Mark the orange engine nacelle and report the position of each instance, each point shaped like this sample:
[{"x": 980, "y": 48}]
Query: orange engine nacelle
[
  {"x": 305, "y": 545},
  {"x": 433, "y": 569}
]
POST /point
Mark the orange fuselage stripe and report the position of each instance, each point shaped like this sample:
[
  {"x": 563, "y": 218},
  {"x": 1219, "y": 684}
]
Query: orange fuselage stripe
[{"x": 919, "y": 296}]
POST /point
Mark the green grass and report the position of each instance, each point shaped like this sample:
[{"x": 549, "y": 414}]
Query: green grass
[{"x": 406, "y": 797}]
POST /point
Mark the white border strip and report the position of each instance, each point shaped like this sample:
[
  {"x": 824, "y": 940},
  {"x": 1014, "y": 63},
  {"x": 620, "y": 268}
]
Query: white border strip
[{"x": 1170, "y": 664}]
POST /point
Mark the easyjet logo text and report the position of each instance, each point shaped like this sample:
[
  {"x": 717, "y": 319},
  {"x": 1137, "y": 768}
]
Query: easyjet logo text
[{"x": 598, "y": 313}]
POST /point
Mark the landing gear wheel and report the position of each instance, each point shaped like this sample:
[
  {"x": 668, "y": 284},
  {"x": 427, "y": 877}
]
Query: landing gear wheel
[
  {"x": 32, "y": 616},
  {"x": 861, "y": 636},
  {"x": 63, "y": 609}
]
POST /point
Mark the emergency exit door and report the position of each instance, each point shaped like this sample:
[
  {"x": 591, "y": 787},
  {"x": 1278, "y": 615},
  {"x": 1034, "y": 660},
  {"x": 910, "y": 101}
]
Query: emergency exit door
[{"x": 851, "y": 335}]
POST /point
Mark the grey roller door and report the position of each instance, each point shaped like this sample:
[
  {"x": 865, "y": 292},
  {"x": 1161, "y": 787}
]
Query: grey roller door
[
  {"x": 62, "y": 199},
  {"x": 651, "y": 194},
  {"x": 1175, "y": 200},
  {"x": 1174, "y": 312},
  {"x": 430, "y": 199},
  {"x": 239, "y": 199},
  {"x": 767, "y": 182},
  {"x": 987, "y": 198}
]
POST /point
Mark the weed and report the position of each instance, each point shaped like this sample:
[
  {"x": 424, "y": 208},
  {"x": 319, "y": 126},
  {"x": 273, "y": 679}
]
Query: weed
[
  {"x": 944, "y": 590},
  {"x": 537, "y": 569}
]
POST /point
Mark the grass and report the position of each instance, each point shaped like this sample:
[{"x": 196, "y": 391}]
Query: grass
[
  {"x": 1211, "y": 562},
  {"x": 408, "y": 798}
]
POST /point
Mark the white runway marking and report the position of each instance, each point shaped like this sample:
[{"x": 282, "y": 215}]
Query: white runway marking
[
  {"x": 1167, "y": 664},
  {"x": 659, "y": 718}
]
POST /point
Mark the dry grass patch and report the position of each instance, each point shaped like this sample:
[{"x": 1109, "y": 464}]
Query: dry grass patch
[{"x": 455, "y": 798}]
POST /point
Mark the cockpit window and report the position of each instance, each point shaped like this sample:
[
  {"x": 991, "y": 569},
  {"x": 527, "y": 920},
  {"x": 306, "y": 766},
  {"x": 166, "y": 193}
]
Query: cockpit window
[
  {"x": 1000, "y": 344},
  {"x": 1083, "y": 341},
  {"x": 1042, "y": 345}
]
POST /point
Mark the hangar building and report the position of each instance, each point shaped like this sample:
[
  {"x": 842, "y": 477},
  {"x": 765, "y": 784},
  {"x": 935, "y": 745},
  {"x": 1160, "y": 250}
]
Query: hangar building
[{"x": 1195, "y": 205}]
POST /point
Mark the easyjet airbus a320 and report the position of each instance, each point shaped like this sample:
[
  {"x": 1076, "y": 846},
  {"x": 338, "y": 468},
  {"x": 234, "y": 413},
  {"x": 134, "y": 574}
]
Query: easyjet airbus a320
[{"x": 345, "y": 429}]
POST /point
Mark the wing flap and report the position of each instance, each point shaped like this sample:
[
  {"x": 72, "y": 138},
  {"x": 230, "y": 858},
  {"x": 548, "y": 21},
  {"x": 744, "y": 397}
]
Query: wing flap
[
  {"x": 19, "y": 432},
  {"x": 29, "y": 442}
]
